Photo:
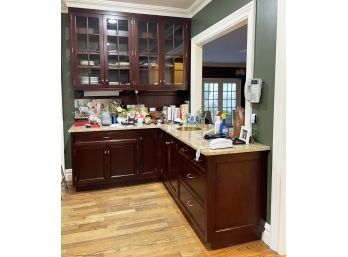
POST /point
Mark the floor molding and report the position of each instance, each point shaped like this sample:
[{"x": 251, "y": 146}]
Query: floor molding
[
  {"x": 266, "y": 235},
  {"x": 68, "y": 174}
]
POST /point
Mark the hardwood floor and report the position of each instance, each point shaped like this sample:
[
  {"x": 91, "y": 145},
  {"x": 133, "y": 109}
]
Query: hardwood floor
[{"x": 139, "y": 220}]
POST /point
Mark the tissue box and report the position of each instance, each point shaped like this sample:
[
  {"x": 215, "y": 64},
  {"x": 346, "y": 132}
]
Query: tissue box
[{"x": 219, "y": 143}]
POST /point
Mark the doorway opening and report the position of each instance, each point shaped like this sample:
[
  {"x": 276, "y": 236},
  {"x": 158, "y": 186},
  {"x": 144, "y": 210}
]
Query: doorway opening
[
  {"x": 242, "y": 17},
  {"x": 223, "y": 74}
]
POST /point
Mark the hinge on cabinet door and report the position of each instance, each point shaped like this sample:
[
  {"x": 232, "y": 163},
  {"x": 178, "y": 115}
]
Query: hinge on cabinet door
[{"x": 72, "y": 50}]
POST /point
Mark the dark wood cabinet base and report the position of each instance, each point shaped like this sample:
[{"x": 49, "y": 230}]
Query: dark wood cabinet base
[{"x": 223, "y": 197}]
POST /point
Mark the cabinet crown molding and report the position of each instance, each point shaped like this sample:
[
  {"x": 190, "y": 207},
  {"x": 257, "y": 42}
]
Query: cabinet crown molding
[{"x": 136, "y": 8}]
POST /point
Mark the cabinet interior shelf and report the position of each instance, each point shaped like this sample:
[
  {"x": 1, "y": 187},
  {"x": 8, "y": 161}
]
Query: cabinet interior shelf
[
  {"x": 118, "y": 53},
  {"x": 117, "y": 68},
  {"x": 89, "y": 67},
  {"x": 94, "y": 52},
  {"x": 91, "y": 34}
]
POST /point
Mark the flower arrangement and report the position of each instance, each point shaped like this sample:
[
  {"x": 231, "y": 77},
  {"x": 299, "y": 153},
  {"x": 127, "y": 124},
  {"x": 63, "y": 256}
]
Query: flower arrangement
[{"x": 115, "y": 108}]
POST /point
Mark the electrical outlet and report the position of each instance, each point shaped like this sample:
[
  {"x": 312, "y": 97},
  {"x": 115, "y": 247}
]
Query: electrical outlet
[{"x": 253, "y": 118}]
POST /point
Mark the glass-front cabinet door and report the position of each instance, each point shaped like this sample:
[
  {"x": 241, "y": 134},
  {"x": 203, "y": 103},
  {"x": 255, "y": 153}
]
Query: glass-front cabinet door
[
  {"x": 87, "y": 50},
  {"x": 117, "y": 51},
  {"x": 147, "y": 45},
  {"x": 174, "y": 54}
]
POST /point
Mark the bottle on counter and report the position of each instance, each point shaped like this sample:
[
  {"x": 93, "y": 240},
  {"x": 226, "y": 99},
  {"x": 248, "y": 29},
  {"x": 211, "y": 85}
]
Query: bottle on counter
[
  {"x": 217, "y": 124},
  {"x": 223, "y": 127}
]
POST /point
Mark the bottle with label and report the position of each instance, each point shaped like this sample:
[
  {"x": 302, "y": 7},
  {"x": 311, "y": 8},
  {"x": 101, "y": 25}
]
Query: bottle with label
[{"x": 223, "y": 128}]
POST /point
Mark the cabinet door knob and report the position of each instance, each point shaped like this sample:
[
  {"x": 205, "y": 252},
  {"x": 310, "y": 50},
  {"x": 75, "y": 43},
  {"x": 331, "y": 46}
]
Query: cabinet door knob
[
  {"x": 189, "y": 203},
  {"x": 167, "y": 143},
  {"x": 105, "y": 152},
  {"x": 189, "y": 175},
  {"x": 183, "y": 149}
]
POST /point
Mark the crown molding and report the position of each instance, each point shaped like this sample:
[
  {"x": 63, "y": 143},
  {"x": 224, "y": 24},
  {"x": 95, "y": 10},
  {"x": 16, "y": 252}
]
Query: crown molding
[
  {"x": 197, "y": 6},
  {"x": 63, "y": 6},
  {"x": 137, "y": 8}
]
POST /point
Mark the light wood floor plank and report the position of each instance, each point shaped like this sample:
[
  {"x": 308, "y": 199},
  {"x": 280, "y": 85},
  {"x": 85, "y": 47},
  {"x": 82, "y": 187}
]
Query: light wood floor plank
[{"x": 135, "y": 221}]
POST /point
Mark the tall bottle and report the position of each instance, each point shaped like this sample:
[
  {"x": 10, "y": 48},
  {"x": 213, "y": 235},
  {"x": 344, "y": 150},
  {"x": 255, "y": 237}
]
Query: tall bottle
[{"x": 217, "y": 124}]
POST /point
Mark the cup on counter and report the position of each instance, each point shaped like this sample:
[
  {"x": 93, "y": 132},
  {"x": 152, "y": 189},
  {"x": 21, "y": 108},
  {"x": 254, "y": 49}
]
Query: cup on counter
[{"x": 140, "y": 121}]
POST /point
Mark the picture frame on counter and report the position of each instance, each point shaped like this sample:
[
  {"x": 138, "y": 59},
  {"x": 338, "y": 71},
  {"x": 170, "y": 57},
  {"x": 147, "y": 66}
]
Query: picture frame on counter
[{"x": 245, "y": 134}]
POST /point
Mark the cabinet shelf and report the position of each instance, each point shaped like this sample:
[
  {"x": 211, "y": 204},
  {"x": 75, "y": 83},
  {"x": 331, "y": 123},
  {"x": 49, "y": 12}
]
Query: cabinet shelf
[
  {"x": 118, "y": 53},
  {"x": 93, "y": 52},
  {"x": 91, "y": 34},
  {"x": 88, "y": 67},
  {"x": 117, "y": 68}
]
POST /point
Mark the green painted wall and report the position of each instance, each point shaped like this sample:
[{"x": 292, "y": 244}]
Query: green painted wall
[
  {"x": 265, "y": 49},
  {"x": 67, "y": 92}
]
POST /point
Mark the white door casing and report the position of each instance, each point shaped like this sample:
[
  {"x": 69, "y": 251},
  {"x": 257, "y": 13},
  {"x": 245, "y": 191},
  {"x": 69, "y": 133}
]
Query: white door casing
[{"x": 278, "y": 199}]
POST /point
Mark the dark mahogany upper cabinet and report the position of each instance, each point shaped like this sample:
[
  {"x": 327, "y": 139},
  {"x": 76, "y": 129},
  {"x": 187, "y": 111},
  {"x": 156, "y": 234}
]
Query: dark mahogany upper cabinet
[
  {"x": 129, "y": 51},
  {"x": 161, "y": 53},
  {"x": 101, "y": 51}
]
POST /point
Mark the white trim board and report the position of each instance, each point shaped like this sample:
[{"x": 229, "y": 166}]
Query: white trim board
[
  {"x": 279, "y": 140},
  {"x": 68, "y": 174},
  {"x": 139, "y": 8},
  {"x": 244, "y": 15},
  {"x": 266, "y": 234}
]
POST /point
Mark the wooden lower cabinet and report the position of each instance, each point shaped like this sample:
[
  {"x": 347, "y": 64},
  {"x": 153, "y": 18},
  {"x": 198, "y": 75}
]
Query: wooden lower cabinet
[
  {"x": 168, "y": 162},
  {"x": 104, "y": 159},
  {"x": 222, "y": 196},
  {"x": 89, "y": 157},
  {"x": 123, "y": 159},
  {"x": 148, "y": 167}
]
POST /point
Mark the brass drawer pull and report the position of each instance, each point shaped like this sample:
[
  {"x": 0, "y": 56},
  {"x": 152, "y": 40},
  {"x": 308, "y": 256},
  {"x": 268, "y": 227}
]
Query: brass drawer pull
[
  {"x": 184, "y": 150},
  {"x": 106, "y": 137},
  {"x": 189, "y": 175},
  {"x": 188, "y": 203}
]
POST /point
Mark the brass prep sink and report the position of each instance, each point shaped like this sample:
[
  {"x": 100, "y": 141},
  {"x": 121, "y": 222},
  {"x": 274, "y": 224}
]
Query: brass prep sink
[{"x": 188, "y": 128}]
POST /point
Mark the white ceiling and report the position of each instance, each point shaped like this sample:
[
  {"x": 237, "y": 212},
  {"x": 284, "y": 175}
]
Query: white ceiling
[
  {"x": 176, "y": 8},
  {"x": 228, "y": 49}
]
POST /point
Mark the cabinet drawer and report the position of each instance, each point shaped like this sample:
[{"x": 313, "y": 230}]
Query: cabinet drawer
[
  {"x": 190, "y": 154},
  {"x": 194, "y": 210},
  {"x": 193, "y": 178},
  {"x": 104, "y": 136}
]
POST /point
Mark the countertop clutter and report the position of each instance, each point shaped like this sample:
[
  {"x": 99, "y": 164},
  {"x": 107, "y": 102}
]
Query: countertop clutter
[{"x": 192, "y": 138}]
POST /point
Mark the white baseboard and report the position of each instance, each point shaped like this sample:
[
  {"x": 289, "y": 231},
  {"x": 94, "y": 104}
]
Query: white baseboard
[
  {"x": 68, "y": 174},
  {"x": 266, "y": 235}
]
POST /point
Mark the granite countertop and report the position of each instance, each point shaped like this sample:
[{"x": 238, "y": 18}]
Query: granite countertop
[{"x": 191, "y": 138}]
